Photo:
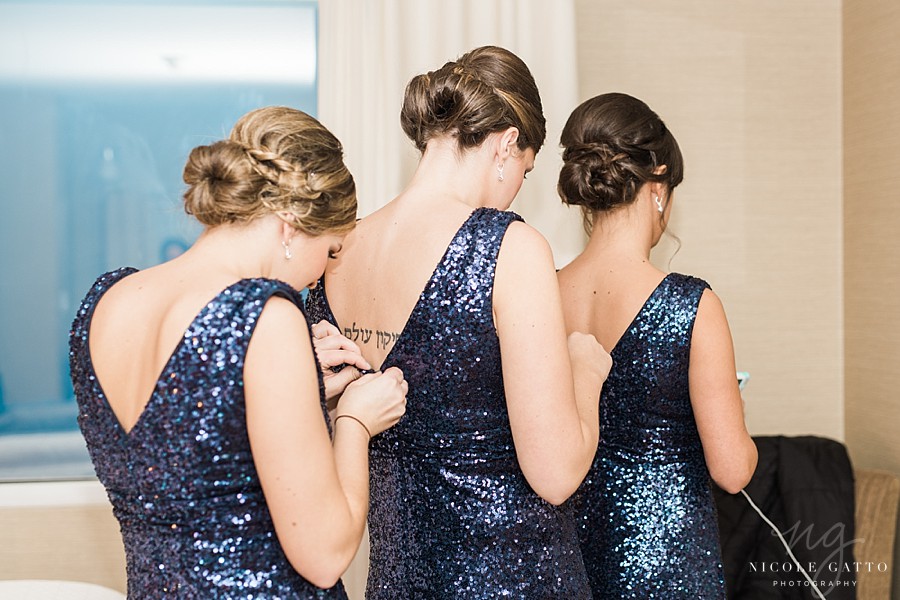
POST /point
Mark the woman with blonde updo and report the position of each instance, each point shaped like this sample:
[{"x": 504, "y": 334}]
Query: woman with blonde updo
[
  {"x": 460, "y": 294},
  {"x": 199, "y": 392},
  {"x": 671, "y": 414}
]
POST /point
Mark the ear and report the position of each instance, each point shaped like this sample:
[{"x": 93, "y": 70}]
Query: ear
[
  {"x": 287, "y": 230},
  {"x": 506, "y": 142}
]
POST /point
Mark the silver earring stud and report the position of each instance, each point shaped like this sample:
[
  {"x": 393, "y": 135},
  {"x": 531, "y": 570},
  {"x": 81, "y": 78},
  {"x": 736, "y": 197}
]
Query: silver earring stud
[
  {"x": 288, "y": 255},
  {"x": 659, "y": 205},
  {"x": 500, "y": 172}
]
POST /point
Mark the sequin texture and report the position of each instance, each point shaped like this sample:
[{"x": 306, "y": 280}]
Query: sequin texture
[
  {"x": 451, "y": 514},
  {"x": 647, "y": 521},
  {"x": 182, "y": 481}
]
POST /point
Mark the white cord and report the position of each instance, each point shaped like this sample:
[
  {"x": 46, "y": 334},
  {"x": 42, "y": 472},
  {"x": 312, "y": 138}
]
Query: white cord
[{"x": 786, "y": 547}]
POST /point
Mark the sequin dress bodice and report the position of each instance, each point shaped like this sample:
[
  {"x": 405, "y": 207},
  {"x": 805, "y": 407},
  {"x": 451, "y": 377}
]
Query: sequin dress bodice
[
  {"x": 182, "y": 481},
  {"x": 451, "y": 514},
  {"x": 646, "y": 516}
]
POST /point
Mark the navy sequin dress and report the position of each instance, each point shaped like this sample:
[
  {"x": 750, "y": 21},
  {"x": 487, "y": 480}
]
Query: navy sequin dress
[
  {"x": 182, "y": 481},
  {"x": 646, "y": 515},
  {"x": 451, "y": 514}
]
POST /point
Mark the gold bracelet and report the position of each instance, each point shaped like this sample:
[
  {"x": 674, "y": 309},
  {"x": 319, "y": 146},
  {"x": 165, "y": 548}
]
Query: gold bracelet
[{"x": 369, "y": 433}]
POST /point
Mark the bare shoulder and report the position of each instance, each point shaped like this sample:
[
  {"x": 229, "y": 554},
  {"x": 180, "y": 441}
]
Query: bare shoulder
[
  {"x": 373, "y": 223},
  {"x": 158, "y": 286},
  {"x": 281, "y": 319},
  {"x": 522, "y": 242},
  {"x": 281, "y": 334},
  {"x": 711, "y": 334},
  {"x": 281, "y": 347},
  {"x": 358, "y": 245},
  {"x": 139, "y": 296},
  {"x": 710, "y": 308},
  {"x": 525, "y": 271}
]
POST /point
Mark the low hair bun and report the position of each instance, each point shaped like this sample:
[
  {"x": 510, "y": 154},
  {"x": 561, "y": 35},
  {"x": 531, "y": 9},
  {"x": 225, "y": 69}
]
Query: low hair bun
[
  {"x": 596, "y": 176},
  {"x": 218, "y": 178},
  {"x": 613, "y": 144},
  {"x": 484, "y": 91},
  {"x": 447, "y": 101}
]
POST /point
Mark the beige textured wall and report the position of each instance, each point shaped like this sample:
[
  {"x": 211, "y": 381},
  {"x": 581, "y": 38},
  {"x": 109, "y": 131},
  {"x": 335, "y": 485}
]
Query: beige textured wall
[
  {"x": 752, "y": 90},
  {"x": 872, "y": 230},
  {"x": 69, "y": 543},
  {"x": 60, "y": 530},
  {"x": 871, "y": 242}
]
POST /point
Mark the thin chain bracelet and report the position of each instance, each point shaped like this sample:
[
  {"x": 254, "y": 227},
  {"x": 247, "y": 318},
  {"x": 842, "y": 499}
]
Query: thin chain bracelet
[{"x": 369, "y": 433}]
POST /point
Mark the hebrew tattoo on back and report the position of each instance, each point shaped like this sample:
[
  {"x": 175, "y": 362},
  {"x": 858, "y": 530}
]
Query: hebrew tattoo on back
[{"x": 383, "y": 339}]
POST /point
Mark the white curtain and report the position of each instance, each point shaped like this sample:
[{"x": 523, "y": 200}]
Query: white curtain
[{"x": 370, "y": 49}]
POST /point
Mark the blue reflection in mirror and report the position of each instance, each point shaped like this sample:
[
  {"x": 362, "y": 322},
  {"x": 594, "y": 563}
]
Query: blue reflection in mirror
[{"x": 100, "y": 104}]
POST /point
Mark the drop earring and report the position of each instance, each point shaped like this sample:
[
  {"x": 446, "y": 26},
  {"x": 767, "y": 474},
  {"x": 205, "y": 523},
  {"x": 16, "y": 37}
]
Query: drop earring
[
  {"x": 499, "y": 171},
  {"x": 659, "y": 205},
  {"x": 288, "y": 255}
]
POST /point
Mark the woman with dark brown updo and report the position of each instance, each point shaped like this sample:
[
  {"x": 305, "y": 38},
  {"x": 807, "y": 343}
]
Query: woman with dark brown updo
[
  {"x": 216, "y": 454},
  {"x": 671, "y": 413},
  {"x": 462, "y": 296}
]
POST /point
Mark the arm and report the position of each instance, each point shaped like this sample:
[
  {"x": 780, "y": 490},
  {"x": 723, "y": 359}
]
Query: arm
[
  {"x": 718, "y": 409},
  {"x": 317, "y": 493},
  {"x": 552, "y": 411}
]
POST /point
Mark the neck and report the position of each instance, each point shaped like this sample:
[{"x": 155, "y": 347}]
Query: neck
[
  {"x": 625, "y": 233},
  {"x": 445, "y": 172},
  {"x": 240, "y": 251}
]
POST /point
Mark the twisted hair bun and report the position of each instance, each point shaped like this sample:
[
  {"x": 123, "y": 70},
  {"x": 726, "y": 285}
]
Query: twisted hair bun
[
  {"x": 484, "y": 91},
  {"x": 277, "y": 159},
  {"x": 612, "y": 145},
  {"x": 222, "y": 186},
  {"x": 596, "y": 175}
]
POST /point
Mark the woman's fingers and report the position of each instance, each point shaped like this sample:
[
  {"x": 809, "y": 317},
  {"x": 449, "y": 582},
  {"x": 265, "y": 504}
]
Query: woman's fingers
[
  {"x": 333, "y": 358},
  {"x": 333, "y": 349},
  {"x": 336, "y": 383},
  {"x": 324, "y": 329},
  {"x": 379, "y": 399},
  {"x": 395, "y": 372}
]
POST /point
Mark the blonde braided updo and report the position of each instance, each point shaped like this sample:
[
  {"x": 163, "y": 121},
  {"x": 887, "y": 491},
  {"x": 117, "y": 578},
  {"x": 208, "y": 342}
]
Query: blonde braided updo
[{"x": 276, "y": 160}]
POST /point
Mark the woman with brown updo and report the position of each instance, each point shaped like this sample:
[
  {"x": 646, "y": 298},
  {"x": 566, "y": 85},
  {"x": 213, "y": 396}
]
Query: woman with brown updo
[
  {"x": 462, "y": 296},
  {"x": 198, "y": 389},
  {"x": 671, "y": 413}
]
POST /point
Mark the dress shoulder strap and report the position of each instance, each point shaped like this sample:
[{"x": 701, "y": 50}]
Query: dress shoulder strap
[
  {"x": 679, "y": 303},
  {"x": 465, "y": 278},
  {"x": 82, "y": 322}
]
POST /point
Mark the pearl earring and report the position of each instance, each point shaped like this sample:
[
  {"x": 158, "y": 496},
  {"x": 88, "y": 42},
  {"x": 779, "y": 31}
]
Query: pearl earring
[
  {"x": 659, "y": 205},
  {"x": 500, "y": 172},
  {"x": 288, "y": 255}
]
